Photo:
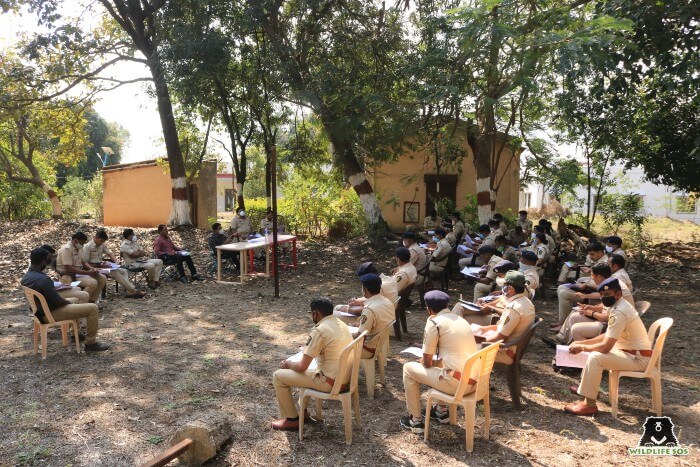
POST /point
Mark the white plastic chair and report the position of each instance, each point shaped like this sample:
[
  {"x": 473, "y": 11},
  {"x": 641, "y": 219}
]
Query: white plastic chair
[
  {"x": 641, "y": 307},
  {"x": 487, "y": 357},
  {"x": 32, "y": 296},
  {"x": 380, "y": 356},
  {"x": 349, "y": 361},
  {"x": 652, "y": 372}
]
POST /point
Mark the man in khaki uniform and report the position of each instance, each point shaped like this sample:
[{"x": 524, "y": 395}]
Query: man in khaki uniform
[
  {"x": 378, "y": 312},
  {"x": 596, "y": 255},
  {"x": 405, "y": 273},
  {"x": 326, "y": 342},
  {"x": 266, "y": 223},
  {"x": 71, "y": 265},
  {"x": 518, "y": 315},
  {"x": 441, "y": 254},
  {"x": 458, "y": 227},
  {"x": 483, "y": 316},
  {"x": 613, "y": 246},
  {"x": 624, "y": 346},
  {"x": 355, "y": 306},
  {"x": 132, "y": 253},
  {"x": 567, "y": 293},
  {"x": 471, "y": 255},
  {"x": 528, "y": 266},
  {"x": 617, "y": 266},
  {"x": 485, "y": 284},
  {"x": 502, "y": 227},
  {"x": 450, "y": 337},
  {"x": 95, "y": 250},
  {"x": 72, "y": 294},
  {"x": 241, "y": 226},
  {"x": 524, "y": 223},
  {"x": 418, "y": 259},
  {"x": 433, "y": 221}
]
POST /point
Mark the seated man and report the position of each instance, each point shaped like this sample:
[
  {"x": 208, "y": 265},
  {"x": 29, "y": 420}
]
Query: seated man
[
  {"x": 624, "y": 346},
  {"x": 133, "y": 254},
  {"x": 504, "y": 250},
  {"x": 433, "y": 221},
  {"x": 518, "y": 315},
  {"x": 266, "y": 224},
  {"x": 540, "y": 246},
  {"x": 524, "y": 223},
  {"x": 376, "y": 315},
  {"x": 95, "y": 250},
  {"x": 405, "y": 273},
  {"x": 217, "y": 239},
  {"x": 441, "y": 255},
  {"x": 355, "y": 306},
  {"x": 617, "y": 266},
  {"x": 72, "y": 294},
  {"x": 458, "y": 227},
  {"x": 71, "y": 265},
  {"x": 596, "y": 255},
  {"x": 502, "y": 227},
  {"x": 471, "y": 255},
  {"x": 613, "y": 246},
  {"x": 241, "y": 226},
  {"x": 516, "y": 237},
  {"x": 528, "y": 266},
  {"x": 446, "y": 335},
  {"x": 326, "y": 342},
  {"x": 166, "y": 250},
  {"x": 486, "y": 282},
  {"x": 418, "y": 259},
  {"x": 61, "y": 309},
  {"x": 482, "y": 317}
]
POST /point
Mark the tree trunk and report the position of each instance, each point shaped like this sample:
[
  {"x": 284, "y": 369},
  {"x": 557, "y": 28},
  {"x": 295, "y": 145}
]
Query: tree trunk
[
  {"x": 56, "y": 211},
  {"x": 239, "y": 195},
  {"x": 485, "y": 195},
  {"x": 180, "y": 213}
]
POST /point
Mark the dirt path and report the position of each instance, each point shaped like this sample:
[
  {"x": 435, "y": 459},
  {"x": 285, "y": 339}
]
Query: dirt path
[{"x": 205, "y": 347}]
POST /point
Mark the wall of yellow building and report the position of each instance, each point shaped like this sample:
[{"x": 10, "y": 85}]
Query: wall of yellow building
[{"x": 403, "y": 180}]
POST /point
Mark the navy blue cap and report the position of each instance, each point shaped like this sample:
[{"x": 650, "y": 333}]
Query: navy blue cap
[
  {"x": 409, "y": 234},
  {"x": 611, "y": 283},
  {"x": 486, "y": 249},
  {"x": 366, "y": 268},
  {"x": 371, "y": 282},
  {"x": 504, "y": 266},
  {"x": 614, "y": 239},
  {"x": 529, "y": 255},
  {"x": 404, "y": 254},
  {"x": 440, "y": 231},
  {"x": 436, "y": 300}
]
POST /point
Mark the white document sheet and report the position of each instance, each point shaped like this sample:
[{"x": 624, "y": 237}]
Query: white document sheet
[
  {"x": 564, "y": 358},
  {"x": 468, "y": 240},
  {"x": 354, "y": 329},
  {"x": 471, "y": 271},
  {"x": 297, "y": 358},
  {"x": 417, "y": 352}
]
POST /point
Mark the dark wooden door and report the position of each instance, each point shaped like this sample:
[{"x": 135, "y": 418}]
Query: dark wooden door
[{"x": 448, "y": 189}]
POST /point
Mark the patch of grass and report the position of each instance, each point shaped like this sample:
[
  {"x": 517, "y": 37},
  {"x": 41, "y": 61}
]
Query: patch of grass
[
  {"x": 200, "y": 399},
  {"x": 155, "y": 439},
  {"x": 33, "y": 454},
  {"x": 239, "y": 383}
]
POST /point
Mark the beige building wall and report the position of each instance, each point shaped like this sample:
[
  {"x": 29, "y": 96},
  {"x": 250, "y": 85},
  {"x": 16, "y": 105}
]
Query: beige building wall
[
  {"x": 404, "y": 181},
  {"x": 136, "y": 195}
]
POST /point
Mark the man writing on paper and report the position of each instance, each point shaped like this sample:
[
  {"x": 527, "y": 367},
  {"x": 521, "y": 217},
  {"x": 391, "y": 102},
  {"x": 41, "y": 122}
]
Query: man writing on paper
[
  {"x": 326, "y": 342},
  {"x": 528, "y": 266},
  {"x": 376, "y": 315},
  {"x": 132, "y": 253},
  {"x": 418, "y": 259},
  {"x": 404, "y": 273},
  {"x": 355, "y": 306},
  {"x": 518, "y": 315},
  {"x": 166, "y": 250},
  {"x": 72, "y": 294},
  {"x": 61, "y": 309},
  {"x": 95, "y": 250},
  {"x": 71, "y": 265},
  {"x": 470, "y": 253},
  {"x": 482, "y": 316},
  {"x": 624, "y": 346},
  {"x": 485, "y": 284},
  {"x": 441, "y": 255},
  {"x": 449, "y": 336}
]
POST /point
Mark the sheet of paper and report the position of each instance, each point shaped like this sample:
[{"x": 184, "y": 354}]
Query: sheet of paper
[
  {"x": 472, "y": 271},
  {"x": 470, "y": 306},
  {"x": 468, "y": 240},
  {"x": 475, "y": 328},
  {"x": 354, "y": 329},
  {"x": 345, "y": 313},
  {"x": 571, "y": 264},
  {"x": 564, "y": 358},
  {"x": 417, "y": 352},
  {"x": 113, "y": 265},
  {"x": 423, "y": 245},
  {"x": 430, "y": 232},
  {"x": 462, "y": 248},
  {"x": 297, "y": 358}
]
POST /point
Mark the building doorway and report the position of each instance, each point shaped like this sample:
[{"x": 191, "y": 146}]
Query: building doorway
[{"x": 448, "y": 189}]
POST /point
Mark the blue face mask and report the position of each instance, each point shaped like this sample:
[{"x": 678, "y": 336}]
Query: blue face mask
[
  {"x": 435, "y": 239},
  {"x": 481, "y": 235}
]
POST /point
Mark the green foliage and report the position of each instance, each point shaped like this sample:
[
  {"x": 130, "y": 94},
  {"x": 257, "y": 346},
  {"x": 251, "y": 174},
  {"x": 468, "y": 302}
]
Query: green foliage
[
  {"x": 470, "y": 212},
  {"x": 82, "y": 197},
  {"x": 22, "y": 201},
  {"x": 618, "y": 210}
]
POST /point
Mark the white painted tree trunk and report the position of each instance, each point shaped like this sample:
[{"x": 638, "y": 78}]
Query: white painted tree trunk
[
  {"x": 369, "y": 202},
  {"x": 180, "y": 213},
  {"x": 483, "y": 185},
  {"x": 56, "y": 211}
]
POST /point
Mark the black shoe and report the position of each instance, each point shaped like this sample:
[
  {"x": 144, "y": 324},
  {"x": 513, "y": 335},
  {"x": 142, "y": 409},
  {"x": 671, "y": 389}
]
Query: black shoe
[
  {"x": 196, "y": 277},
  {"x": 442, "y": 415},
  {"x": 415, "y": 427},
  {"x": 551, "y": 343},
  {"x": 96, "y": 347},
  {"x": 184, "y": 280}
]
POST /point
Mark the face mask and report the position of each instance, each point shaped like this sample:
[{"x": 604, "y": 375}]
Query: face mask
[
  {"x": 608, "y": 301},
  {"x": 435, "y": 239},
  {"x": 500, "y": 281},
  {"x": 505, "y": 289},
  {"x": 481, "y": 235},
  {"x": 608, "y": 249},
  {"x": 525, "y": 267},
  {"x": 405, "y": 244},
  {"x": 533, "y": 235},
  {"x": 133, "y": 238}
]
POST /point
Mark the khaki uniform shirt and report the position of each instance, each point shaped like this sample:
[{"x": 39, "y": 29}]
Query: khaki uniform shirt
[
  {"x": 431, "y": 224},
  {"x": 459, "y": 230},
  {"x": 442, "y": 251},
  {"x": 625, "y": 325},
  {"x": 526, "y": 225},
  {"x": 621, "y": 252},
  {"x": 69, "y": 254},
  {"x": 241, "y": 226},
  {"x": 326, "y": 342},
  {"x": 129, "y": 248},
  {"x": 94, "y": 253},
  {"x": 503, "y": 228},
  {"x": 449, "y": 336},
  {"x": 622, "y": 276},
  {"x": 376, "y": 315},
  {"x": 405, "y": 276},
  {"x": 265, "y": 224},
  {"x": 510, "y": 254},
  {"x": 418, "y": 258},
  {"x": 390, "y": 289},
  {"x": 532, "y": 279},
  {"x": 518, "y": 315},
  {"x": 490, "y": 273}
]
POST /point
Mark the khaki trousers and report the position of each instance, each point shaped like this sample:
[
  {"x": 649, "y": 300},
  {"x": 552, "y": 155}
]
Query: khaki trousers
[
  {"x": 92, "y": 285},
  {"x": 472, "y": 318},
  {"x": 467, "y": 261},
  {"x": 121, "y": 277},
  {"x": 567, "y": 300},
  {"x": 75, "y": 295},
  {"x": 77, "y": 311},
  {"x": 502, "y": 356},
  {"x": 598, "y": 362},
  {"x": 481, "y": 290},
  {"x": 153, "y": 268},
  {"x": 284, "y": 380},
  {"x": 415, "y": 374},
  {"x": 578, "y": 327}
]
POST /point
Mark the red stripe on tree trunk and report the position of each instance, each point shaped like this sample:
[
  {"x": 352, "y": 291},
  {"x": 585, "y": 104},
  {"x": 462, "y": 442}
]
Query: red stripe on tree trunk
[
  {"x": 483, "y": 198},
  {"x": 363, "y": 188},
  {"x": 51, "y": 194},
  {"x": 179, "y": 193}
]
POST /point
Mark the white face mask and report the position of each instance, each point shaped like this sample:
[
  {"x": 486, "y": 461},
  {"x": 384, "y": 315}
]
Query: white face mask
[
  {"x": 533, "y": 235},
  {"x": 133, "y": 238},
  {"x": 608, "y": 249},
  {"x": 405, "y": 243},
  {"x": 500, "y": 281},
  {"x": 436, "y": 239},
  {"x": 525, "y": 267}
]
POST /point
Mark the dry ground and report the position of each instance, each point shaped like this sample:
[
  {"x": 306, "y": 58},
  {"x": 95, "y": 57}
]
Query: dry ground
[{"x": 205, "y": 348}]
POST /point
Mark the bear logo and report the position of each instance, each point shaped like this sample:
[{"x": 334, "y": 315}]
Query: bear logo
[{"x": 658, "y": 431}]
